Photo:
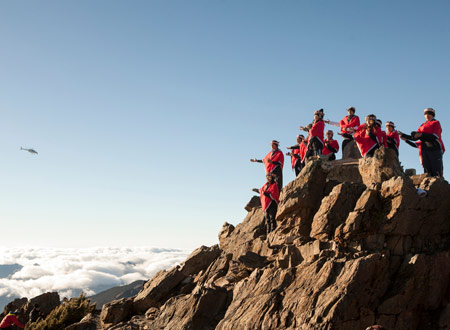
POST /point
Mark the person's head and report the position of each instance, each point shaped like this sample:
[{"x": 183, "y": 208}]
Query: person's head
[
  {"x": 390, "y": 126},
  {"x": 329, "y": 134},
  {"x": 36, "y": 306},
  {"x": 379, "y": 123},
  {"x": 270, "y": 177},
  {"x": 370, "y": 120},
  {"x": 429, "y": 113},
  {"x": 318, "y": 114},
  {"x": 274, "y": 144},
  {"x": 300, "y": 138},
  {"x": 351, "y": 111}
]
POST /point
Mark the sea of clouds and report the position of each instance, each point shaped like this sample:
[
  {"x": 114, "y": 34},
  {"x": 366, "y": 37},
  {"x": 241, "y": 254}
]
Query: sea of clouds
[{"x": 72, "y": 271}]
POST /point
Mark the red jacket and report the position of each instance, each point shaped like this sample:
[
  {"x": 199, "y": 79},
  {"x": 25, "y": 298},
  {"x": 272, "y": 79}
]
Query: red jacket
[
  {"x": 9, "y": 320},
  {"x": 394, "y": 135},
  {"x": 303, "y": 150},
  {"x": 333, "y": 143},
  {"x": 274, "y": 156},
  {"x": 346, "y": 123},
  {"x": 274, "y": 195},
  {"x": 364, "y": 141},
  {"x": 433, "y": 127},
  {"x": 317, "y": 130}
]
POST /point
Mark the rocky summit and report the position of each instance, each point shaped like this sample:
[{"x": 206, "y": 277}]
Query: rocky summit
[{"x": 358, "y": 243}]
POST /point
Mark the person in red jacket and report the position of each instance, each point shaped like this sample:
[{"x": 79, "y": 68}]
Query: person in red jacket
[
  {"x": 298, "y": 154},
  {"x": 349, "y": 124},
  {"x": 273, "y": 163},
  {"x": 368, "y": 136},
  {"x": 431, "y": 147},
  {"x": 11, "y": 319},
  {"x": 393, "y": 139},
  {"x": 270, "y": 197},
  {"x": 315, "y": 134},
  {"x": 331, "y": 146}
]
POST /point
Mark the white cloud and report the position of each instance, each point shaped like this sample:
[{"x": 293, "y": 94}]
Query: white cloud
[{"x": 91, "y": 270}]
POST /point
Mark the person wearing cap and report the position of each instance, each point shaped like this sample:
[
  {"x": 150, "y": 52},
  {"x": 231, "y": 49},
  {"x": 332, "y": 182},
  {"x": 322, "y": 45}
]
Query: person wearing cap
[
  {"x": 431, "y": 146},
  {"x": 298, "y": 154},
  {"x": 11, "y": 319},
  {"x": 315, "y": 134},
  {"x": 273, "y": 163},
  {"x": 383, "y": 141},
  {"x": 349, "y": 124},
  {"x": 331, "y": 146},
  {"x": 368, "y": 136},
  {"x": 393, "y": 139},
  {"x": 270, "y": 197}
]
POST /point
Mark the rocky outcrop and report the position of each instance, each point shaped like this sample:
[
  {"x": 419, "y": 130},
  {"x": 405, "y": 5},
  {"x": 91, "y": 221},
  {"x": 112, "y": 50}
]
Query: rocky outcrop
[{"x": 350, "y": 251}]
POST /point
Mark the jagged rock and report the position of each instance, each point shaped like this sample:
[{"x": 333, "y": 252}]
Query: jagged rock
[
  {"x": 16, "y": 304},
  {"x": 345, "y": 255},
  {"x": 344, "y": 170},
  {"x": 254, "y": 202},
  {"x": 116, "y": 312},
  {"x": 46, "y": 301},
  {"x": 200, "y": 259},
  {"x": 334, "y": 209},
  {"x": 382, "y": 166},
  {"x": 201, "y": 310},
  {"x": 301, "y": 198},
  {"x": 157, "y": 289},
  {"x": 89, "y": 322}
]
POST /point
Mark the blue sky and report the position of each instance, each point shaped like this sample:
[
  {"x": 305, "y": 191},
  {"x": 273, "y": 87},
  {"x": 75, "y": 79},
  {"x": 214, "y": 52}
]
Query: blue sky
[{"x": 145, "y": 113}]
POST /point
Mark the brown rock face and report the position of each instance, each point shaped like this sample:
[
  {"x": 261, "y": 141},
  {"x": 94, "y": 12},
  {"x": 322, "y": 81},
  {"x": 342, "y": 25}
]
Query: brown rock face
[
  {"x": 345, "y": 255},
  {"x": 381, "y": 167}
]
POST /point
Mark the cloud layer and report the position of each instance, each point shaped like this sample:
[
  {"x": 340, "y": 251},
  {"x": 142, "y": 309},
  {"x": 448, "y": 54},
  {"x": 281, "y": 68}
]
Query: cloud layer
[{"x": 70, "y": 271}]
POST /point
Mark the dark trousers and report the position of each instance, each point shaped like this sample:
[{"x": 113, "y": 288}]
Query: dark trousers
[
  {"x": 269, "y": 215},
  {"x": 332, "y": 156},
  {"x": 372, "y": 151},
  {"x": 315, "y": 147},
  {"x": 278, "y": 171},
  {"x": 344, "y": 145},
  {"x": 298, "y": 167},
  {"x": 432, "y": 162}
]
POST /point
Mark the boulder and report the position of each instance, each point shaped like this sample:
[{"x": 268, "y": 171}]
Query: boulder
[
  {"x": 157, "y": 290},
  {"x": 351, "y": 151},
  {"x": 335, "y": 209},
  {"x": 200, "y": 259},
  {"x": 382, "y": 166},
  {"x": 89, "y": 322},
  {"x": 46, "y": 301},
  {"x": 116, "y": 312},
  {"x": 254, "y": 202}
]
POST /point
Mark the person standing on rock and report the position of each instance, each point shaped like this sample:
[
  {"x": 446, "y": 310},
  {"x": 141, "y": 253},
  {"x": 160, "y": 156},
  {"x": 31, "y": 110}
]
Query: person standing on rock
[
  {"x": 368, "y": 136},
  {"x": 331, "y": 146},
  {"x": 315, "y": 134},
  {"x": 270, "y": 197},
  {"x": 35, "y": 313},
  {"x": 349, "y": 124},
  {"x": 273, "y": 163},
  {"x": 11, "y": 319},
  {"x": 393, "y": 139},
  {"x": 431, "y": 146},
  {"x": 298, "y": 154}
]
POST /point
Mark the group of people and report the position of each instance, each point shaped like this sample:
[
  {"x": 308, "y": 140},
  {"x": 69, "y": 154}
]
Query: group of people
[
  {"x": 11, "y": 319},
  {"x": 368, "y": 137}
]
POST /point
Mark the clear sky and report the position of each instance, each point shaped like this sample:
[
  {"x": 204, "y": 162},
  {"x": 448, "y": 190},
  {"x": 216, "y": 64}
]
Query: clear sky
[{"x": 145, "y": 113}]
